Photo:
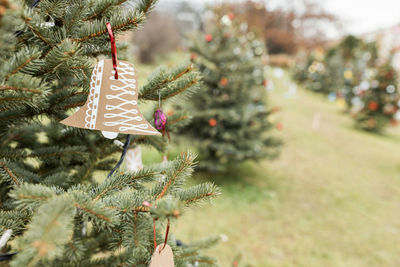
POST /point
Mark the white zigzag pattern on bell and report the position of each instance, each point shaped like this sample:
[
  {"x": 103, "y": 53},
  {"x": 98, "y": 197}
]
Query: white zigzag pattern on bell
[
  {"x": 125, "y": 115},
  {"x": 94, "y": 96}
]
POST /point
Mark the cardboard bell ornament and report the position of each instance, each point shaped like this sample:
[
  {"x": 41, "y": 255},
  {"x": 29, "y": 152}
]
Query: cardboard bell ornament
[{"x": 112, "y": 104}]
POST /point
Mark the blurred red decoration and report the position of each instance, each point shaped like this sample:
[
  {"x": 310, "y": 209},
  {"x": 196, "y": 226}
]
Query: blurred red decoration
[
  {"x": 209, "y": 37},
  {"x": 212, "y": 122},
  {"x": 275, "y": 109},
  {"x": 223, "y": 81},
  {"x": 231, "y": 16},
  {"x": 394, "y": 122},
  {"x": 227, "y": 35},
  {"x": 265, "y": 83},
  {"x": 389, "y": 75},
  {"x": 193, "y": 56},
  {"x": 279, "y": 126},
  {"x": 235, "y": 263},
  {"x": 373, "y": 105}
]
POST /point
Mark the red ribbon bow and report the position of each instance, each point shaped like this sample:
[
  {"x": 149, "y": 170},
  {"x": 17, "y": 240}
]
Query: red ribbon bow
[{"x": 113, "y": 49}]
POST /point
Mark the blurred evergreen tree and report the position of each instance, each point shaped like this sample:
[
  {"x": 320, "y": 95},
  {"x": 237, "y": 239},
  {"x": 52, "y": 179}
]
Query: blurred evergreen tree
[
  {"x": 339, "y": 69},
  {"x": 376, "y": 101},
  {"x": 230, "y": 122},
  {"x": 53, "y": 193}
]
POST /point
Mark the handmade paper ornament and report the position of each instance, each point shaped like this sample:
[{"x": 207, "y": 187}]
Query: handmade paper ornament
[
  {"x": 162, "y": 257},
  {"x": 133, "y": 159},
  {"x": 112, "y": 104}
]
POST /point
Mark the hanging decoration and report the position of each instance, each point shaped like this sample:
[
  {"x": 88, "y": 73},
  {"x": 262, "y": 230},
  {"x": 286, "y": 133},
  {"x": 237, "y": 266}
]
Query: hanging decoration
[
  {"x": 162, "y": 255},
  {"x": 133, "y": 159},
  {"x": 112, "y": 104},
  {"x": 160, "y": 119}
]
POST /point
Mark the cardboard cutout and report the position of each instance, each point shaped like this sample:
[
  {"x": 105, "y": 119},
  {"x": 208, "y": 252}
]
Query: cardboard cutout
[{"x": 112, "y": 105}]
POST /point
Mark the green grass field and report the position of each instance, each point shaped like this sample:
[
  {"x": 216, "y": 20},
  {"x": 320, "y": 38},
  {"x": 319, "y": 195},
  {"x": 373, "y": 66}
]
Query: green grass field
[{"x": 331, "y": 199}]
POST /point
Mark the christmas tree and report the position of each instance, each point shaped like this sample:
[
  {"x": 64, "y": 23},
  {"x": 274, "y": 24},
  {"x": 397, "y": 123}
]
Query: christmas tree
[
  {"x": 54, "y": 194},
  {"x": 375, "y": 101},
  {"x": 230, "y": 121},
  {"x": 339, "y": 69}
]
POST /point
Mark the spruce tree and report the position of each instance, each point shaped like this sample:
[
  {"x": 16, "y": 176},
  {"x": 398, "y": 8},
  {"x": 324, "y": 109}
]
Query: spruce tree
[
  {"x": 339, "y": 69},
  {"x": 54, "y": 194},
  {"x": 230, "y": 121},
  {"x": 376, "y": 100}
]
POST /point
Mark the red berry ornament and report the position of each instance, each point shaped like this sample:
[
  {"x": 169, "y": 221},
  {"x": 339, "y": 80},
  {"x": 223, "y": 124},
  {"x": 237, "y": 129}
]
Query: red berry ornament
[
  {"x": 193, "y": 56},
  {"x": 223, "y": 82},
  {"x": 209, "y": 37},
  {"x": 212, "y": 122},
  {"x": 373, "y": 105}
]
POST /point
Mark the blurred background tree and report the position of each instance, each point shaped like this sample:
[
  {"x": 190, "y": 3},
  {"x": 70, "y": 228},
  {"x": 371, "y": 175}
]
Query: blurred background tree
[
  {"x": 377, "y": 100},
  {"x": 230, "y": 116}
]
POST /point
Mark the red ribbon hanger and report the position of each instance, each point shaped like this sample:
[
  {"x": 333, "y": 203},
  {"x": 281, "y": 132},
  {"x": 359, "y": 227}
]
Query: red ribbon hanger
[{"x": 113, "y": 49}]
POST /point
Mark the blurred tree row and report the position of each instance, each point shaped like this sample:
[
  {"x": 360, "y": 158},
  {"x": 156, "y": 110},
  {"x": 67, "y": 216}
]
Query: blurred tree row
[{"x": 352, "y": 72}]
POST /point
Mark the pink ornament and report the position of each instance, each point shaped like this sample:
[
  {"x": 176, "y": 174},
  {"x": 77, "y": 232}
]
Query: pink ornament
[{"x": 160, "y": 120}]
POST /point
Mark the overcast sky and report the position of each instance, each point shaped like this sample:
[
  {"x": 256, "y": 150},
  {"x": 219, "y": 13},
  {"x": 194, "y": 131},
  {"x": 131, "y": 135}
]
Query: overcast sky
[
  {"x": 362, "y": 16},
  {"x": 359, "y": 16}
]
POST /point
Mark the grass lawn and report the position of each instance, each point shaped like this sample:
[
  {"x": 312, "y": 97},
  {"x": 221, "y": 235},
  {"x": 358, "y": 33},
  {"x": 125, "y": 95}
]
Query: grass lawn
[{"x": 331, "y": 199}]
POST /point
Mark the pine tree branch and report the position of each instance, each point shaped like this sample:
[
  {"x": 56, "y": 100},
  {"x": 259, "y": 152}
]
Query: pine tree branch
[
  {"x": 118, "y": 182},
  {"x": 135, "y": 232},
  {"x": 100, "y": 216},
  {"x": 135, "y": 209},
  {"x": 182, "y": 118},
  {"x": 8, "y": 173},
  {"x": 194, "y": 199},
  {"x": 14, "y": 99},
  {"x": 48, "y": 232},
  {"x": 124, "y": 24},
  {"x": 13, "y": 88},
  {"x": 104, "y": 9},
  {"x": 148, "y": 6},
  {"x": 187, "y": 161},
  {"x": 18, "y": 68},
  {"x": 39, "y": 35},
  {"x": 190, "y": 84},
  {"x": 151, "y": 88}
]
